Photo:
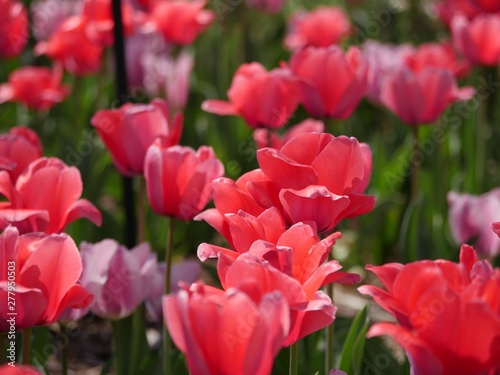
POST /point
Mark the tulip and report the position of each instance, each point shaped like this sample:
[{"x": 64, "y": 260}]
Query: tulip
[
  {"x": 18, "y": 370},
  {"x": 38, "y": 88},
  {"x": 47, "y": 15},
  {"x": 263, "y": 138},
  {"x": 437, "y": 55},
  {"x": 99, "y": 21},
  {"x": 496, "y": 228},
  {"x": 270, "y": 6},
  {"x": 186, "y": 272},
  {"x": 477, "y": 39},
  {"x": 245, "y": 335},
  {"x": 421, "y": 98},
  {"x": 434, "y": 303},
  {"x": 181, "y": 21},
  {"x": 332, "y": 83},
  {"x": 231, "y": 197},
  {"x": 294, "y": 265},
  {"x": 129, "y": 130},
  {"x": 45, "y": 198},
  {"x": 263, "y": 99},
  {"x": 383, "y": 59},
  {"x": 120, "y": 279},
  {"x": 71, "y": 46},
  {"x": 321, "y": 27},
  {"x": 448, "y": 9},
  {"x": 315, "y": 177},
  {"x": 471, "y": 216},
  {"x": 43, "y": 271},
  {"x": 14, "y": 28},
  {"x": 18, "y": 148},
  {"x": 168, "y": 76},
  {"x": 179, "y": 179}
]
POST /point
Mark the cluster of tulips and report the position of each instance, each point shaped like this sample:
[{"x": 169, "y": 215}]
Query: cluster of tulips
[{"x": 275, "y": 255}]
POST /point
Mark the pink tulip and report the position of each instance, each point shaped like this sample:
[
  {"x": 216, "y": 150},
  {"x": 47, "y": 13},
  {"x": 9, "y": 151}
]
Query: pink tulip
[
  {"x": 18, "y": 148},
  {"x": 383, "y": 59},
  {"x": 421, "y": 98},
  {"x": 38, "y": 88},
  {"x": 270, "y": 6},
  {"x": 45, "y": 198},
  {"x": 437, "y": 55},
  {"x": 186, "y": 272},
  {"x": 332, "y": 83},
  {"x": 181, "y": 21},
  {"x": 71, "y": 46},
  {"x": 47, "y": 15},
  {"x": 478, "y": 39},
  {"x": 179, "y": 179},
  {"x": 120, "y": 279},
  {"x": 264, "y": 99},
  {"x": 315, "y": 177},
  {"x": 14, "y": 28},
  {"x": 434, "y": 303},
  {"x": 129, "y": 130},
  {"x": 262, "y": 136},
  {"x": 245, "y": 335},
  {"x": 42, "y": 271},
  {"x": 321, "y": 27},
  {"x": 471, "y": 216}
]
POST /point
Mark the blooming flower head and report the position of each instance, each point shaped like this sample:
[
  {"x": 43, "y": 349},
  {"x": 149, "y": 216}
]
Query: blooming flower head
[{"x": 434, "y": 303}]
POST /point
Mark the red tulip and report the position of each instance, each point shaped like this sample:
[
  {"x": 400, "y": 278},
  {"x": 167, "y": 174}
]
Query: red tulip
[
  {"x": 448, "y": 9},
  {"x": 245, "y": 335},
  {"x": 478, "y": 39},
  {"x": 45, "y": 198},
  {"x": 420, "y": 98},
  {"x": 14, "y": 28},
  {"x": 437, "y": 55},
  {"x": 434, "y": 303},
  {"x": 321, "y": 27},
  {"x": 263, "y": 139},
  {"x": 98, "y": 17},
  {"x": 45, "y": 270},
  {"x": 18, "y": 370},
  {"x": 470, "y": 216},
  {"x": 18, "y": 149},
  {"x": 294, "y": 265},
  {"x": 38, "y": 88},
  {"x": 264, "y": 99},
  {"x": 179, "y": 179},
  {"x": 71, "y": 46},
  {"x": 332, "y": 83},
  {"x": 315, "y": 177},
  {"x": 129, "y": 130},
  {"x": 181, "y": 21}
]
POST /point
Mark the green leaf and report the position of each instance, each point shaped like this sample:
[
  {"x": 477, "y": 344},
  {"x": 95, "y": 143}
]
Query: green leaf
[{"x": 352, "y": 351}]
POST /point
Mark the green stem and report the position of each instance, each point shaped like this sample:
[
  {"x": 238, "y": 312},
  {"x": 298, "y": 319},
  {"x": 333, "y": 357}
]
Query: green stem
[
  {"x": 135, "y": 339},
  {"x": 481, "y": 130},
  {"x": 142, "y": 212},
  {"x": 116, "y": 348},
  {"x": 167, "y": 365},
  {"x": 415, "y": 159},
  {"x": 27, "y": 334},
  {"x": 2, "y": 347},
  {"x": 294, "y": 359},
  {"x": 64, "y": 351}
]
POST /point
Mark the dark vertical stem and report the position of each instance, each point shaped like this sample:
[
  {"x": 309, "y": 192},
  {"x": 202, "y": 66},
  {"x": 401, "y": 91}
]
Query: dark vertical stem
[
  {"x": 141, "y": 235},
  {"x": 294, "y": 359},
  {"x": 27, "y": 334},
  {"x": 121, "y": 94},
  {"x": 64, "y": 350},
  {"x": 2, "y": 347}
]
